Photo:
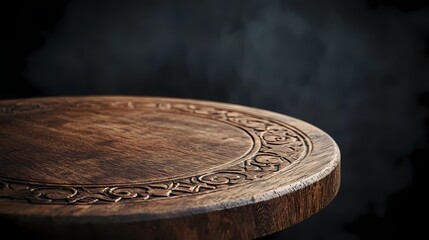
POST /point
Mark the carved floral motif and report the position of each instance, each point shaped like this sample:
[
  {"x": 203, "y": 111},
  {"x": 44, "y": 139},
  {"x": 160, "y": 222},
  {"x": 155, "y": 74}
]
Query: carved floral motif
[{"x": 280, "y": 145}]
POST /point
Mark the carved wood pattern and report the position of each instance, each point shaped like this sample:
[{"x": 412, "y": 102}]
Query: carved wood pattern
[{"x": 280, "y": 145}]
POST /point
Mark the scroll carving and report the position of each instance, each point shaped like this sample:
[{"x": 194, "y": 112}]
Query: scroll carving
[{"x": 280, "y": 145}]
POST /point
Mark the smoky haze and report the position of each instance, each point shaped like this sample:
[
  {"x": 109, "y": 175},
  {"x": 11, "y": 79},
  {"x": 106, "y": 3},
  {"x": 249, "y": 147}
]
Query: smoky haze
[{"x": 351, "y": 70}]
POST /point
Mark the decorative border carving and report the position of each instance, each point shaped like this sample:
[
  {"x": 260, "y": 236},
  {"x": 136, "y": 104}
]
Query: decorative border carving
[{"x": 280, "y": 146}]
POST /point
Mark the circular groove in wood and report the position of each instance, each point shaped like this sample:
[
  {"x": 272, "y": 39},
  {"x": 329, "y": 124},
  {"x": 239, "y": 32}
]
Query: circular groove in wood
[
  {"x": 278, "y": 145},
  {"x": 71, "y": 149}
]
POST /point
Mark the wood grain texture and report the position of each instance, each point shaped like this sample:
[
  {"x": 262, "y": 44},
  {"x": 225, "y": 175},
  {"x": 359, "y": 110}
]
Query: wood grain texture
[{"x": 158, "y": 168}]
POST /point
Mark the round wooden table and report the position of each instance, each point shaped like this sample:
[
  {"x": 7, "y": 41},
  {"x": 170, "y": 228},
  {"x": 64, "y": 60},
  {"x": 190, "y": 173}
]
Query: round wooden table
[{"x": 158, "y": 168}]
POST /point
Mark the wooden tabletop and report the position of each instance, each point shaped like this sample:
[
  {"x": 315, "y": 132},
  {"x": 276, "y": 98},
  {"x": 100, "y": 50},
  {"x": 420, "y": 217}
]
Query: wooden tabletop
[{"x": 158, "y": 168}]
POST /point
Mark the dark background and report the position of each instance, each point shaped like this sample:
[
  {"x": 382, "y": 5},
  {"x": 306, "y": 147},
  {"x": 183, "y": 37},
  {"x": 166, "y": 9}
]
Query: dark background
[{"x": 357, "y": 69}]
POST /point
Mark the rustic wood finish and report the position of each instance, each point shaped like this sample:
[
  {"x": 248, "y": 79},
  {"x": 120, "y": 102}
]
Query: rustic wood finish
[{"x": 158, "y": 168}]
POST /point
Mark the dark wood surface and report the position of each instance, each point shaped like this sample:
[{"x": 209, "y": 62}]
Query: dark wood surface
[{"x": 158, "y": 168}]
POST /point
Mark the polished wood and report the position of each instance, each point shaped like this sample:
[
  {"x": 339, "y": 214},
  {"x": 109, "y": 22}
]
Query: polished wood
[{"x": 158, "y": 168}]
